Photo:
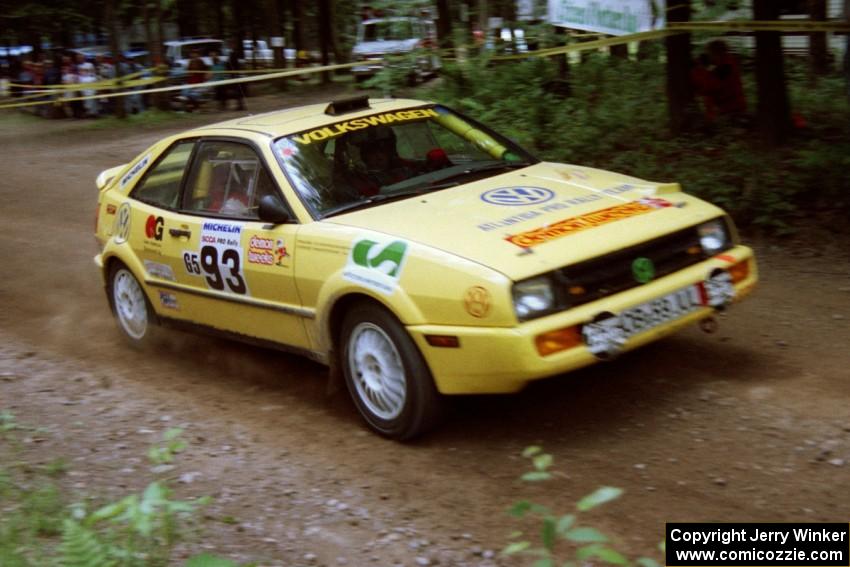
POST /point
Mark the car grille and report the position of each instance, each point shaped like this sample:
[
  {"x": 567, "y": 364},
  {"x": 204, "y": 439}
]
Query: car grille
[{"x": 606, "y": 275}]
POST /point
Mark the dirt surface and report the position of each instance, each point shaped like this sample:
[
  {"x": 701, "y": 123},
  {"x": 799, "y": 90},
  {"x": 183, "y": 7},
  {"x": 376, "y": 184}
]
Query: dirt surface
[{"x": 749, "y": 424}]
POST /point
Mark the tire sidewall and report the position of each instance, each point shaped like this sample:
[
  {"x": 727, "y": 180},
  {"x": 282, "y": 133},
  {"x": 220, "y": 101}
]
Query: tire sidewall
[
  {"x": 148, "y": 336},
  {"x": 420, "y": 393}
]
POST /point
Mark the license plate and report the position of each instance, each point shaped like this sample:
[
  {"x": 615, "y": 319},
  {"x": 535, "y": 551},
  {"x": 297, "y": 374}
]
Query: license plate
[{"x": 607, "y": 336}]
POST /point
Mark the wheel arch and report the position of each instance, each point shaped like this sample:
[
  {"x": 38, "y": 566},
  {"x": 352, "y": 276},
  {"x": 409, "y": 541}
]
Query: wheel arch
[{"x": 331, "y": 325}]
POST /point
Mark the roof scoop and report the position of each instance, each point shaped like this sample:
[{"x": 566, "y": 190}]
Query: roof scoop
[{"x": 346, "y": 105}]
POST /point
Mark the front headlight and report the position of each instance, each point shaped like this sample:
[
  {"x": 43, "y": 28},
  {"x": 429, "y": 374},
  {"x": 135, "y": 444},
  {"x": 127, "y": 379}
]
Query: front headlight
[
  {"x": 533, "y": 297},
  {"x": 713, "y": 237}
]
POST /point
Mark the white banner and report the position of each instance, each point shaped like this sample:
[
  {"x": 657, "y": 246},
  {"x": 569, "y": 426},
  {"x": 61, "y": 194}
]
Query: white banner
[{"x": 613, "y": 17}]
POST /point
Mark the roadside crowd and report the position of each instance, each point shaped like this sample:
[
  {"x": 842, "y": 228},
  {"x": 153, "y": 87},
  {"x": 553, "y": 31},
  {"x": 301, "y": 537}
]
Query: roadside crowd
[
  {"x": 63, "y": 78},
  {"x": 29, "y": 77}
]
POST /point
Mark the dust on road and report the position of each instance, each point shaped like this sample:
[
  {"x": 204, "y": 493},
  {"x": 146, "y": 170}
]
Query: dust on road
[{"x": 749, "y": 424}]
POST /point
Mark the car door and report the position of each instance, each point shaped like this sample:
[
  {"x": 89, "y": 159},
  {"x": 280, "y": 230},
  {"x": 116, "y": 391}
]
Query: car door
[
  {"x": 152, "y": 216},
  {"x": 239, "y": 269}
]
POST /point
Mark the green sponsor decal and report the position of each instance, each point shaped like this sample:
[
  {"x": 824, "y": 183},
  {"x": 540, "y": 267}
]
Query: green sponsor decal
[
  {"x": 387, "y": 260},
  {"x": 643, "y": 269}
]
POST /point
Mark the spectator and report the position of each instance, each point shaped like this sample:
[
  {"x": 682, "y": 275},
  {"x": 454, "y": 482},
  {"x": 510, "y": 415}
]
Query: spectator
[
  {"x": 86, "y": 75},
  {"x": 69, "y": 77},
  {"x": 218, "y": 67},
  {"x": 234, "y": 91},
  {"x": 198, "y": 73},
  {"x": 105, "y": 71},
  {"x": 717, "y": 79},
  {"x": 133, "y": 103},
  {"x": 15, "y": 70}
]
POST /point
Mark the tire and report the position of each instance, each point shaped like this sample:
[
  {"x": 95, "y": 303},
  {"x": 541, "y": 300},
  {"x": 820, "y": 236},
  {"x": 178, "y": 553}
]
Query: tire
[
  {"x": 133, "y": 313},
  {"x": 386, "y": 375}
]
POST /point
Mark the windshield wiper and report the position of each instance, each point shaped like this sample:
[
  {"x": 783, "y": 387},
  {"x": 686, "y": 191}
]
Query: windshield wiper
[
  {"x": 369, "y": 201},
  {"x": 482, "y": 168}
]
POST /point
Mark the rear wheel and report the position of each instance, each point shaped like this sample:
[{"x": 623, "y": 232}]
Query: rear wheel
[
  {"x": 133, "y": 312},
  {"x": 386, "y": 376}
]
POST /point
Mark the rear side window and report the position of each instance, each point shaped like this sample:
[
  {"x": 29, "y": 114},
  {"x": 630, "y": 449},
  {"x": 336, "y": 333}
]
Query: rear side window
[
  {"x": 161, "y": 184},
  {"x": 227, "y": 180}
]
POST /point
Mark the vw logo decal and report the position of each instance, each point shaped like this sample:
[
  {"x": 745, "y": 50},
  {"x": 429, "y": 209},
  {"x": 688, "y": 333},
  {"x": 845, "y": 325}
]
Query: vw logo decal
[{"x": 512, "y": 196}]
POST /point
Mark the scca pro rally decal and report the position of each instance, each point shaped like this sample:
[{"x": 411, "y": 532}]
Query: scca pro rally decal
[
  {"x": 583, "y": 222},
  {"x": 220, "y": 257},
  {"x": 142, "y": 163},
  {"x": 376, "y": 265},
  {"x": 360, "y": 123}
]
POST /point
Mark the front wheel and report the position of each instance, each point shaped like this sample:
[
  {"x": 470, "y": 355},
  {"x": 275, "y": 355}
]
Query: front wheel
[
  {"x": 386, "y": 376},
  {"x": 133, "y": 312}
]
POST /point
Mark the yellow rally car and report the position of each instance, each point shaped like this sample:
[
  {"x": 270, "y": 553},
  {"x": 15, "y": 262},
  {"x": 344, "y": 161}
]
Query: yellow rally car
[{"x": 409, "y": 247}]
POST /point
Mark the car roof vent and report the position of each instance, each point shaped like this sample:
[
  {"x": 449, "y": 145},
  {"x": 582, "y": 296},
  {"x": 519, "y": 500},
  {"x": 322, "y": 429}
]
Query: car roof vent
[{"x": 346, "y": 105}]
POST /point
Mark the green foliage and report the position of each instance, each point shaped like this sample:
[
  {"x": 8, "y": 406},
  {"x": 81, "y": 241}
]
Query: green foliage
[
  {"x": 139, "y": 530},
  {"x": 82, "y": 548},
  {"x": 172, "y": 444},
  {"x": 207, "y": 560},
  {"x": 7, "y": 422},
  {"x": 586, "y": 543},
  {"x": 612, "y": 114},
  {"x": 399, "y": 71}
]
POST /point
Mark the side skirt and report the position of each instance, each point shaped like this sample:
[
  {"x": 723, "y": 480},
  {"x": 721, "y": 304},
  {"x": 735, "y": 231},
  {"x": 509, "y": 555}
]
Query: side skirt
[{"x": 181, "y": 325}]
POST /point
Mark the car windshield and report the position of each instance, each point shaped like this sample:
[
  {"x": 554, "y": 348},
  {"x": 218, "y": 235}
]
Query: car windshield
[
  {"x": 388, "y": 30},
  {"x": 365, "y": 161}
]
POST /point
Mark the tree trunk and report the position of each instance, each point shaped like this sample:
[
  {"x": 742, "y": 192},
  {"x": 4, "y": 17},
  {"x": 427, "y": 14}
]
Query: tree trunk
[
  {"x": 562, "y": 60},
  {"x": 187, "y": 17},
  {"x": 112, "y": 26},
  {"x": 298, "y": 25},
  {"x": 773, "y": 111},
  {"x": 160, "y": 99},
  {"x": 325, "y": 36},
  {"x": 482, "y": 16},
  {"x": 219, "y": 19},
  {"x": 818, "y": 54},
  {"x": 847, "y": 49},
  {"x": 444, "y": 24},
  {"x": 680, "y": 92},
  {"x": 619, "y": 51},
  {"x": 274, "y": 29},
  {"x": 146, "y": 18},
  {"x": 336, "y": 48}
]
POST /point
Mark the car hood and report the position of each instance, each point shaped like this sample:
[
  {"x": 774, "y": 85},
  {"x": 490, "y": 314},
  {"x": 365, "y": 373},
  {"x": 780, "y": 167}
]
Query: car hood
[
  {"x": 536, "y": 219},
  {"x": 388, "y": 46}
]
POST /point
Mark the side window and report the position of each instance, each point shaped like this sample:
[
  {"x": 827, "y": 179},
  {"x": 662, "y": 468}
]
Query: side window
[
  {"x": 161, "y": 184},
  {"x": 227, "y": 179}
]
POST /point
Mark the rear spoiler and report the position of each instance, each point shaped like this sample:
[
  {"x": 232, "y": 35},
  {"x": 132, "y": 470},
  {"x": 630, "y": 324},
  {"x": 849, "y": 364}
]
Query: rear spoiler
[{"x": 107, "y": 175}]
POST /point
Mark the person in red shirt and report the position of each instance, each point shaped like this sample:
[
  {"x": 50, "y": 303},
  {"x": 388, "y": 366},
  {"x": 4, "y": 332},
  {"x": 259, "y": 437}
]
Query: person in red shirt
[
  {"x": 717, "y": 79},
  {"x": 198, "y": 73}
]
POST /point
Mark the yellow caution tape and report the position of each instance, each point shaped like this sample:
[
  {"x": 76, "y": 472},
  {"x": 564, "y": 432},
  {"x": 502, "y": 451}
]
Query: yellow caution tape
[
  {"x": 220, "y": 83},
  {"x": 589, "y": 45},
  {"x": 771, "y": 25},
  {"x": 673, "y": 28},
  {"x": 94, "y": 85}
]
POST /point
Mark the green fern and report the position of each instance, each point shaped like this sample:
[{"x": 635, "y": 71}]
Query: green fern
[{"x": 82, "y": 548}]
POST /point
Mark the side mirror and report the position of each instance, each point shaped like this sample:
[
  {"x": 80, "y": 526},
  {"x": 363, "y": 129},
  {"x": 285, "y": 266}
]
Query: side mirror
[{"x": 273, "y": 211}]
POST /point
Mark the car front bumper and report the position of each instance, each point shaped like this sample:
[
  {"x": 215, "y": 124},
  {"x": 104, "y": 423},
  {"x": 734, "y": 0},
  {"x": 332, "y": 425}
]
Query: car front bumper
[{"x": 503, "y": 360}]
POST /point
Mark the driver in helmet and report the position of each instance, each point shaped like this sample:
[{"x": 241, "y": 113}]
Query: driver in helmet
[{"x": 380, "y": 160}]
